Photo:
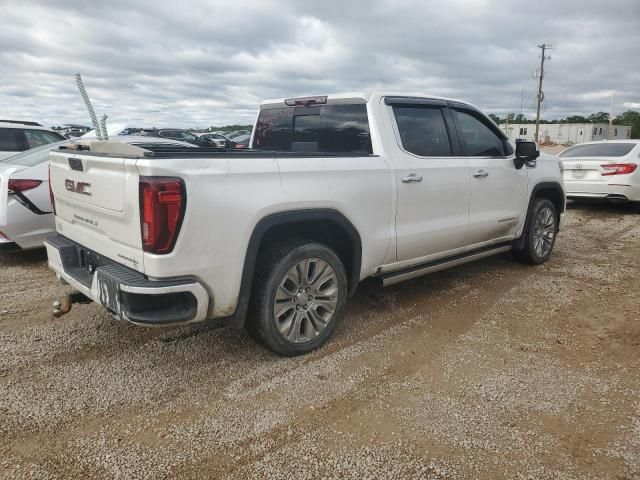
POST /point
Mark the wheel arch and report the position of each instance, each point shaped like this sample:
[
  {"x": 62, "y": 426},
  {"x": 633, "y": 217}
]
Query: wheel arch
[
  {"x": 325, "y": 225},
  {"x": 554, "y": 192}
]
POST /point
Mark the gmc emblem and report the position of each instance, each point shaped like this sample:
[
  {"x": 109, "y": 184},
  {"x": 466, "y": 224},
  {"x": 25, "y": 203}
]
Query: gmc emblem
[{"x": 77, "y": 187}]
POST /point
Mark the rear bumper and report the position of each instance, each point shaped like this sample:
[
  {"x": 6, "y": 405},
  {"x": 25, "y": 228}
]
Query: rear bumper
[
  {"x": 601, "y": 190},
  {"x": 126, "y": 293}
]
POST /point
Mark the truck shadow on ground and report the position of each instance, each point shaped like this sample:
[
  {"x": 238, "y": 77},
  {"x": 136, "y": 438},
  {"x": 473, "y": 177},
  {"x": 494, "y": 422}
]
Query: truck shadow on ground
[
  {"x": 11, "y": 255},
  {"x": 603, "y": 207}
]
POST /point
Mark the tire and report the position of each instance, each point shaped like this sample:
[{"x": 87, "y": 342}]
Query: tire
[
  {"x": 293, "y": 312},
  {"x": 539, "y": 235}
]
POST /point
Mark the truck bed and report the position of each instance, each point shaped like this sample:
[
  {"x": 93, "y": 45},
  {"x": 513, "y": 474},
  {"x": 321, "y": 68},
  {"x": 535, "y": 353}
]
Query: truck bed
[{"x": 163, "y": 151}]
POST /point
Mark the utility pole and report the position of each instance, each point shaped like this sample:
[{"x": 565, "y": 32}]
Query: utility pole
[
  {"x": 613, "y": 96},
  {"x": 544, "y": 47},
  {"x": 506, "y": 125}
]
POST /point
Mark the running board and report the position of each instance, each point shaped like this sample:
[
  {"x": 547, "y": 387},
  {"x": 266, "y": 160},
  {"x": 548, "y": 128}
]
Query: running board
[{"x": 392, "y": 278}]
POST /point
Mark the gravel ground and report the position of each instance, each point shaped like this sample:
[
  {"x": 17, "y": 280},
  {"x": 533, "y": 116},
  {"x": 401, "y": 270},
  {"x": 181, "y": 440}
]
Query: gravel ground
[{"x": 491, "y": 370}]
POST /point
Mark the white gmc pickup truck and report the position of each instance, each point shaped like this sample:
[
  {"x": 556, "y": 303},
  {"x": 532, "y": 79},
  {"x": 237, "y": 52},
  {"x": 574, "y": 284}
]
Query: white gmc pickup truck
[{"x": 335, "y": 189}]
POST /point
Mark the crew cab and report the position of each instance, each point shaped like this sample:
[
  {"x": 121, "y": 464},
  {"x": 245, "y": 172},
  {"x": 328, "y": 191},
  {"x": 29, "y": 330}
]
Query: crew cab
[{"x": 333, "y": 190}]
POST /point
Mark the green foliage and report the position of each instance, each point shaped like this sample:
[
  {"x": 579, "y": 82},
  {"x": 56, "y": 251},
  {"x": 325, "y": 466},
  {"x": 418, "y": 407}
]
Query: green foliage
[
  {"x": 230, "y": 128},
  {"x": 632, "y": 119},
  {"x": 575, "y": 119},
  {"x": 600, "y": 117}
]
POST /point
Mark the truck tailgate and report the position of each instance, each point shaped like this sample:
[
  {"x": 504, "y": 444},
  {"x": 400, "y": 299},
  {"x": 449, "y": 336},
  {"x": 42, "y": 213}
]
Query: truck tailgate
[{"x": 97, "y": 204}]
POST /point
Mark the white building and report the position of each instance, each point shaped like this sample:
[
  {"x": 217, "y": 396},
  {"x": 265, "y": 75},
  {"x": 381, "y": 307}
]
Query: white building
[{"x": 566, "y": 132}]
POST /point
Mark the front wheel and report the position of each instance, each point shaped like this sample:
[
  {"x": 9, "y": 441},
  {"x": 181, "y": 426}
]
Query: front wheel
[
  {"x": 300, "y": 292},
  {"x": 539, "y": 235}
]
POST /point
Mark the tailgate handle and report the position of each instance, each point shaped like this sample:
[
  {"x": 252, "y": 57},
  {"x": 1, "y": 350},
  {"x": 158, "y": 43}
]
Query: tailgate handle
[{"x": 75, "y": 164}]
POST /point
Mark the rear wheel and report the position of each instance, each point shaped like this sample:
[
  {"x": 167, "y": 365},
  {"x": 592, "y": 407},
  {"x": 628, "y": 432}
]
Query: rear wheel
[
  {"x": 539, "y": 235},
  {"x": 299, "y": 295}
]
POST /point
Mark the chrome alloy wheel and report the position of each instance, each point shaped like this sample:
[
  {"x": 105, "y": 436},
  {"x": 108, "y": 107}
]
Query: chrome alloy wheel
[
  {"x": 306, "y": 300},
  {"x": 544, "y": 230}
]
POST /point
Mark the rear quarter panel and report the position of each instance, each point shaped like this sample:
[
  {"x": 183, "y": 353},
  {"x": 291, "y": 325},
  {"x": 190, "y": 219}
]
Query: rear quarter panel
[{"x": 226, "y": 198}]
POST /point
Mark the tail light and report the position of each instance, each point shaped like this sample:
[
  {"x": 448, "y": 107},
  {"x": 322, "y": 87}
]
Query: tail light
[
  {"x": 53, "y": 201},
  {"x": 618, "y": 168},
  {"x": 17, "y": 185},
  {"x": 162, "y": 205}
]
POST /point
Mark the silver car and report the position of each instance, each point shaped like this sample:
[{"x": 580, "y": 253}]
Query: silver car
[{"x": 26, "y": 216}]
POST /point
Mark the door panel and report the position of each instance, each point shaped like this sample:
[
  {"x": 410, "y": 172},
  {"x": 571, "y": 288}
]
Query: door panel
[
  {"x": 497, "y": 203},
  {"x": 498, "y": 190},
  {"x": 433, "y": 185}
]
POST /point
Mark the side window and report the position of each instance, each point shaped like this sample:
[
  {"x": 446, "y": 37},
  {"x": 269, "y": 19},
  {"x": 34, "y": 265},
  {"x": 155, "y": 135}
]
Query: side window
[
  {"x": 423, "y": 130},
  {"x": 37, "y": 138},
  {"x": 11, "y": 140},
  {"x": 479, "y": 139}
]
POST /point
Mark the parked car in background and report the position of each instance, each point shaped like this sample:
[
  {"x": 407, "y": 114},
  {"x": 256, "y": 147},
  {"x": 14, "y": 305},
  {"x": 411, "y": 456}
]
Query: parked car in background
[
  {"x": 73, "y": 130},
  {"x": 241, "y": 141},
  {"x": 26, "y": 216},
  {"x": 178, "y": 134},
  {"x": 335, "y": 189},
  {"x": 218, "y": 139},
  {"x": 17, "y": 136},
  {"x": 606, "y": 170},
  {"x": 238, "y": 133}
]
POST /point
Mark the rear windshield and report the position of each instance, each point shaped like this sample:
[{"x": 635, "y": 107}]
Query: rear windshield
[
  {"x": 33, "y": 157},
  {"x": 599, "y": 150},
  {"x": 322, "y": 129}
]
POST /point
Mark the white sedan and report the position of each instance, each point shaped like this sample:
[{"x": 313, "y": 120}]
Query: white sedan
[
  {"x": 26, "y": 216},
  {"x": 605, "y": 170}
]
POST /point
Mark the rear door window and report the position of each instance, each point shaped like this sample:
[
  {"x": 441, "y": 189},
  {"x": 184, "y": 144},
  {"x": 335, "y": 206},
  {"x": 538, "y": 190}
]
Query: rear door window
[
  {"x": 479, "y": 138},
  {"x": 599, "y": 150},
  {"x": 423, "y": 130},
  {"x": 321, "y": 129},
  {"x": 38, "y": 138},
  {"x": 12, "y": 140}
]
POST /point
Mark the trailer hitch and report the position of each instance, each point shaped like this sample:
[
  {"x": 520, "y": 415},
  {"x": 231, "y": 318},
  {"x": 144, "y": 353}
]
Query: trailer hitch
[{"x": 64, "y": 307}]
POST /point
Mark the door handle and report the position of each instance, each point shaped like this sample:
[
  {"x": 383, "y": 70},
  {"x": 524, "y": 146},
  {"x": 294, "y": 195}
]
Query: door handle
[
  {"x": 413, "y": 178},
  {"x": 480, "y": 174}
]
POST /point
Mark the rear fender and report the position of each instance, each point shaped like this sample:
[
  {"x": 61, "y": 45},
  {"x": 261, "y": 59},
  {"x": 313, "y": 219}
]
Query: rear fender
[{"x": 237, "y": 320}]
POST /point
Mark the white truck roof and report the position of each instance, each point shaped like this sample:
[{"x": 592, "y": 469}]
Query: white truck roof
[{"x": 357, "y": 97}]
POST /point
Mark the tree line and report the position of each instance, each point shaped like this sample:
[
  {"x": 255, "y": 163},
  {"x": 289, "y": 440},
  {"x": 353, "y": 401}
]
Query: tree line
[{"x": 630, "y": 118}]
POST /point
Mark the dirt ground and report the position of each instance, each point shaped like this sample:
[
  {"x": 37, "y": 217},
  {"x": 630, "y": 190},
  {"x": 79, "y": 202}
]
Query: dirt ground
[{"x": 491, "y": 370}]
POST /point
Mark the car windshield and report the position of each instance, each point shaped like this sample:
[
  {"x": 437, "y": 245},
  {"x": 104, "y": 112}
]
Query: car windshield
[
  {"x": 598, "y": 150},
  {"x": 33, "y": 157}
]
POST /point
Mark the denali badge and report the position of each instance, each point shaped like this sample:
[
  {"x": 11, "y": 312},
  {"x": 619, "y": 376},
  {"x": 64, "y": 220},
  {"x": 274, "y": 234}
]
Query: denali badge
[{"x": 77, "y": 187}]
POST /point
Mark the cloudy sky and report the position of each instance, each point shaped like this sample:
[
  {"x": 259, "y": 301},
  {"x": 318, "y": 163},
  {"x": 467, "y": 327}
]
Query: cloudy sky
[{"x": 204, "y": 63}]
